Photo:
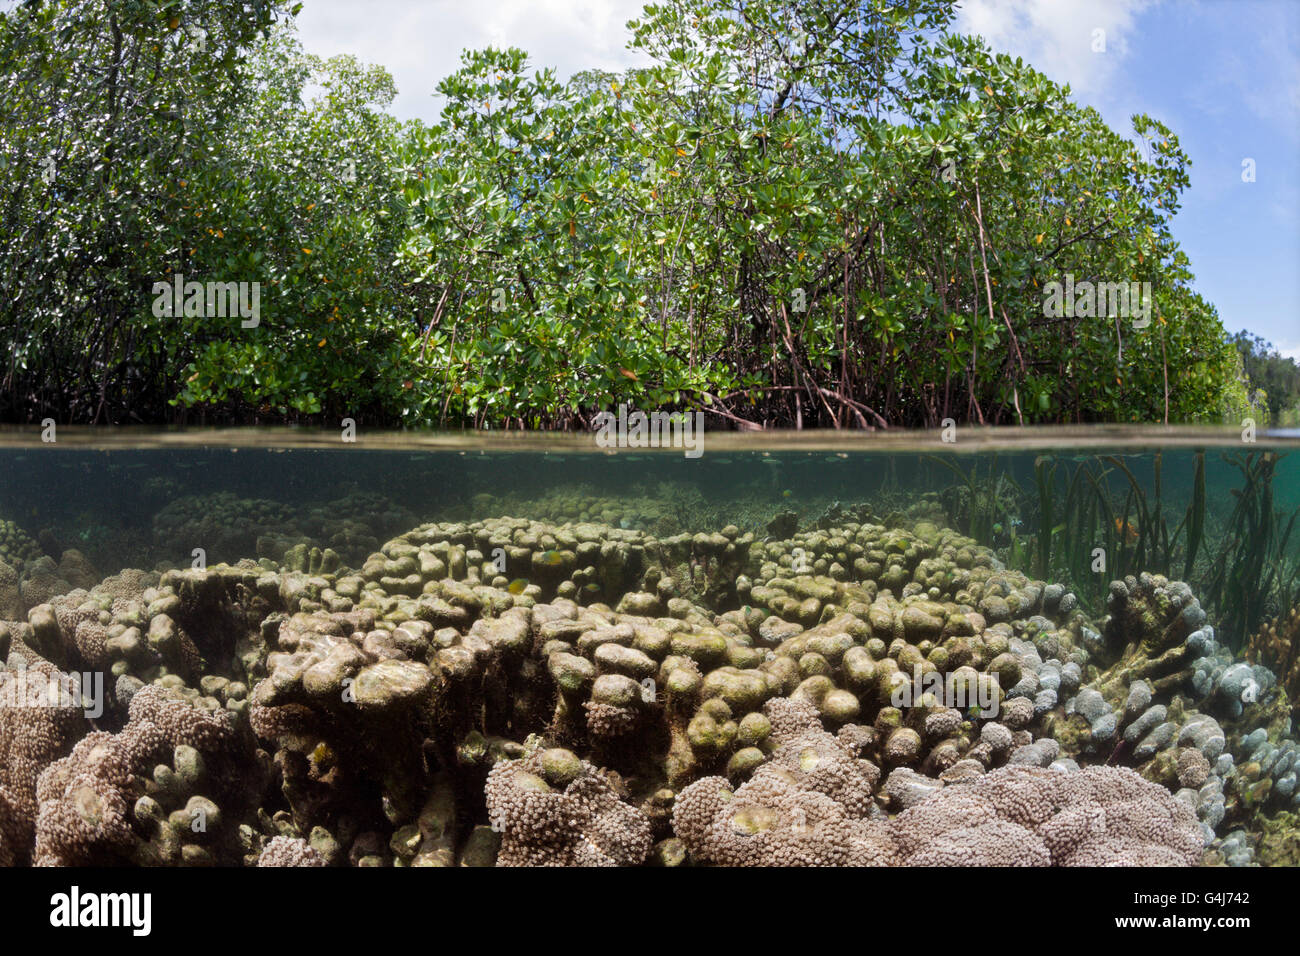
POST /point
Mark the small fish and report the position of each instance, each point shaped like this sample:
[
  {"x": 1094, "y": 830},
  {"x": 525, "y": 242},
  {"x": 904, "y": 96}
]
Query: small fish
[
  {"x": 323, "y": 755},
  {"x": 552, "y": 558},
  {"x": 787, "y": 493},
  {"x": 591, "y": 587},
  {"x": 1126, "y": 530},
  {"x": 517, "y": 586}
]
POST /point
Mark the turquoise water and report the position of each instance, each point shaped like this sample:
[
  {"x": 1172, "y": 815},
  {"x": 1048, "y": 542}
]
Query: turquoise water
[
  {"x": 113, "y": 504},
  {"x": 465, "y": 588}
]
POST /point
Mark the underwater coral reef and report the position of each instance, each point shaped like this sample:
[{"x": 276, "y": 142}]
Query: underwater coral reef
[{"x": 514, "y": 691}]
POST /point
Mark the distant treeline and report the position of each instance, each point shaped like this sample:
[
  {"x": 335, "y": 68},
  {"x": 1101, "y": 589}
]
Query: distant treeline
[
  {"x": 803, "y": 213},
  {"x": 1278, "y": 377}
]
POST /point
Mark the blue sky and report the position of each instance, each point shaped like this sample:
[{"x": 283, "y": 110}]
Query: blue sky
[{"x": 1225, "y": 75}]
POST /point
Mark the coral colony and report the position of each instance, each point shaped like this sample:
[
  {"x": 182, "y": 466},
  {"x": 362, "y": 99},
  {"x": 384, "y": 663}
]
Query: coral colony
[{"x": 567, "y": 691}]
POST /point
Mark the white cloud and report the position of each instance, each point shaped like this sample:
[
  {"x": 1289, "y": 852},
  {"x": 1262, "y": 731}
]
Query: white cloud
[
  {"x": 1292, "y": 352},
  {"x": 1056, "y": 36},
  {"x": 421, "y": 42}
]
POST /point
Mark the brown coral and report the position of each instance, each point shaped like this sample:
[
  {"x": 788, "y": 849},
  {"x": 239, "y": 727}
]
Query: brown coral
[
  {"x": 86, "y": 799},
  {"x": 1031, "y": 816},
  {"x": 772, "y": 821},
  {"x": 11, "y": 599},
  {"x": 553, "y": 809},
  {"x": 31, "y": 738},
  {"x": 808, "y": 806},
  {"x": 289, "y": 851}
]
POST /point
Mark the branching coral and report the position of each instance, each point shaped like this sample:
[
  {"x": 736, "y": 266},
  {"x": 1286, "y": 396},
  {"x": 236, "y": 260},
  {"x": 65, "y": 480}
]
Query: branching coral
[
  {"x": 808, "y": 806},
  {"x": 102, "y": 804},
  {"x": 289, "y": 851},
  {"x": 34, "y": 732},
  {"x": 554, "y": 809}
]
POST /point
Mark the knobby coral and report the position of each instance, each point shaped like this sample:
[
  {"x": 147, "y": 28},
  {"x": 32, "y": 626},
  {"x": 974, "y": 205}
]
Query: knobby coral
[
  {"x": 553, "y": 809},
  {"x": 598, "y": 689}
]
